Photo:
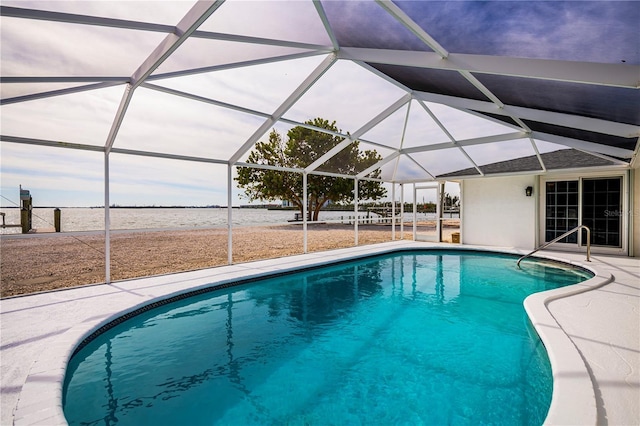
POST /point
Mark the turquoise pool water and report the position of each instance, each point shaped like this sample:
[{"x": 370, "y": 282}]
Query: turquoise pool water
[{"x": 420, "y": 337}]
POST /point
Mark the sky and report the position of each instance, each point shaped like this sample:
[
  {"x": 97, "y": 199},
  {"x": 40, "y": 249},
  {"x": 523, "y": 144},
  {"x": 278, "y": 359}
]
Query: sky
[{"x": 159, "y": 122}]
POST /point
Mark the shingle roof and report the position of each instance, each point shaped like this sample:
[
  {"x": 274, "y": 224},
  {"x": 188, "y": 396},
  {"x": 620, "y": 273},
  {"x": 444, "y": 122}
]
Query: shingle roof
[{"x": 563, "y": 159}]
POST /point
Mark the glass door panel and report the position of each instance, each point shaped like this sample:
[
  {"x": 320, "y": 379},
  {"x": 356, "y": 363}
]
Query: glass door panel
[
  {"x": 426, "y": 215},
  {"x": 601, "y": 211},
  {"x": 561, "y": 210}
]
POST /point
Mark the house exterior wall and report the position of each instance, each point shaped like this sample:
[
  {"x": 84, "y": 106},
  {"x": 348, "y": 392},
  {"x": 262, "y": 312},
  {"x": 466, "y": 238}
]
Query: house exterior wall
[
  {"x": 496, "y": 212},
  {"x": 635, "y": 212}
]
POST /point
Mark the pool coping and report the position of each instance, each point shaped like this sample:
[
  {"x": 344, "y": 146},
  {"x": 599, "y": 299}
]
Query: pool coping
[
  {"x": 573, "y": 397},
  {"x": 573, "y": 400}
]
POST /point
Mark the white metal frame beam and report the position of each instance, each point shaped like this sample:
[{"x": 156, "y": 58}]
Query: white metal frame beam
[
  {"x": 417, "y": 164},
  {"x": 262, "y": 114},
  {"x": 60, "y": 92},
  {"x": 329, "y": 154},
  {"x": 199, "y": 13},
  {"x": 581, "y": 145},
  {"x": 62, "y": 79},
  {"x": 604, "y": 157},
  {"x": 361, "y": 176},
  {"x": 467, "y": 142},
  {"x": 235, "y": 65},
  {"x": 361, "y": 131},
  {"x": 120, "y": 113},
  {"x": 404, "y": 19},
  {"x": 50, "y": 143},
  {"x": 616, "y": 75},
  {"x": 412, "y": 26},
  {"x": 378, "y": 165},
  {"x": 100, "y": 148},
  {"x": 105, "y": 82},
  {"x": 71, "y": 18},
  {"x": 260, "y": 41},
  {"x": 203, "y": 99},
  {"x": 537, "y": 151},
  {"x": 284, "y": 107},
  {"x": 187, "y": 25},
  {"x": 449, "y": 135},
  {"x": 550, "y": 117},
  {"x": 327, "y": 25},
  {"x": 621, "y": 76}
]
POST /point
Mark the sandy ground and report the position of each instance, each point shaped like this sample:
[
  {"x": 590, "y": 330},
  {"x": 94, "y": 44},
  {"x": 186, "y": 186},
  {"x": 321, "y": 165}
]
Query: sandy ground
[{"x": 48, "y": 262}]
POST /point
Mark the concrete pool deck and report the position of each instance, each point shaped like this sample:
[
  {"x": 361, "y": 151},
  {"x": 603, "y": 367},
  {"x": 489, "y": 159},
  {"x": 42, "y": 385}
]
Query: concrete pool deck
[{"x": 39, "y": 332}]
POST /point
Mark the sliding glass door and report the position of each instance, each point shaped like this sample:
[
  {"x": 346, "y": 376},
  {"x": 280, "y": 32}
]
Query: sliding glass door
[{"x": 594, "y": 202}]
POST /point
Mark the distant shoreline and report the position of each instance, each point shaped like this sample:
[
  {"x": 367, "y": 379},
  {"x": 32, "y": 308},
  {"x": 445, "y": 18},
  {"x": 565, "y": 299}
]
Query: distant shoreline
[
  {"x": 257, "y": 207},
  {"x": 135, "y": 207},
  {"x": 271, "y": 208}
]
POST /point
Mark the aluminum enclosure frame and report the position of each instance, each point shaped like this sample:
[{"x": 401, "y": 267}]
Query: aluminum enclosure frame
[{"x": 622, "y": 75}]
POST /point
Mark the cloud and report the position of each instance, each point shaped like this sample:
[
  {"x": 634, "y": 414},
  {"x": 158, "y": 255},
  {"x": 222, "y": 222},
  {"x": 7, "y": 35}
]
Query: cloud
[
  {"x": 443, "y": 161},
  {"x": 365, "y": 24},
  {"x": 156, "y": 11},
  {"x": 55, "y": 176},
  {"x": 598, "y": 31},
  {"x": 281, "y": 20},
  {"x": 163, "y": 123},
  {"x": 65, "y": 177},
  {"x": 348, "y": 94},
  {"x": 79, "y": 118},
  {"x": 500, "y": 151},
  {"x": 463, "y": 125},
  {"x": 261, "y": 88},
  {"x": 39, "y": 48},
  {"x": 141, "y": 181},
  {"x": 158, "y": 122}
]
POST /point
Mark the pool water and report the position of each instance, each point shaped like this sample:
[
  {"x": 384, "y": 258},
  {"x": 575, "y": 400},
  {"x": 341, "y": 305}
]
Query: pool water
[{"x": 420, "y": 337}]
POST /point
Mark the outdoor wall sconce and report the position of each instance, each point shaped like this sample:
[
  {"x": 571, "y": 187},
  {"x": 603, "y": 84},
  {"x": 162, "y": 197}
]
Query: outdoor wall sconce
[{"x": 528, "y": 191}]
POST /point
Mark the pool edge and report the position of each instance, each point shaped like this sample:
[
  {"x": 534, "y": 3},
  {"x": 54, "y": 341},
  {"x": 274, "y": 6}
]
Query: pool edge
[{"x": 573, "y": 397}]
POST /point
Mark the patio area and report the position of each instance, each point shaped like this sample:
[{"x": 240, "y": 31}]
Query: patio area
[{"x": 39, "y": 332}]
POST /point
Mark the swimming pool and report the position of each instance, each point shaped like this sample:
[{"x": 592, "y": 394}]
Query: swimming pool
[{"x": 412, "y": 337}]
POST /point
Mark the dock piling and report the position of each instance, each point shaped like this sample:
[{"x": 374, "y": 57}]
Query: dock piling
[
  {"x": 56, "y": 219},
  {"x": 25, "y": 210}
]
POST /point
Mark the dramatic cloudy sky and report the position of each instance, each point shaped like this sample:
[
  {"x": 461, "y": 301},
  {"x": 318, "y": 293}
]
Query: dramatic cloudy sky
[{"x": 159, "y": 122}]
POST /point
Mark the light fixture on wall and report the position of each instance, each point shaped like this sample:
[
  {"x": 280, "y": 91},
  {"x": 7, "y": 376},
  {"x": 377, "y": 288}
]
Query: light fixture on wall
[{"x": 528, "y": 191}]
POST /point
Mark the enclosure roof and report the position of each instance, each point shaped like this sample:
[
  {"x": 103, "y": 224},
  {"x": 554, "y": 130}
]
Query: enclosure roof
[{"x": 436, "y": 87}]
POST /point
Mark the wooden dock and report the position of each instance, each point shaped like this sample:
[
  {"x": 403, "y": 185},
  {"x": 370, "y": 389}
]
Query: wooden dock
[{"x": 4, "y": 225}]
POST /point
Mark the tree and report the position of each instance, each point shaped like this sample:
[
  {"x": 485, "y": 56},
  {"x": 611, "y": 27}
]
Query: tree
[
  {"x": 302, "y": 147},
  {"x": 451, "y": 202}
]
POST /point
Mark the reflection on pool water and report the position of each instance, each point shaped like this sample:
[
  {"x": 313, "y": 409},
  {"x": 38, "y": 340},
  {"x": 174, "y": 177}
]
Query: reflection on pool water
[{"x": 420, "y": 337}]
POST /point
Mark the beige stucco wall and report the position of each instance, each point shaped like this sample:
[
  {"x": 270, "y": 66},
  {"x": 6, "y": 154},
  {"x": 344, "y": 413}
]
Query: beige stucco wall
[
  {"x": 496, "y": 212},
  {"x": 635, "y": 212}
]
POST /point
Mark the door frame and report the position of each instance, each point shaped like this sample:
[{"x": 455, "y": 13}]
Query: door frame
[
  {"x": 436, "y": 186},
  {"x": 624, "y": 231}
]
